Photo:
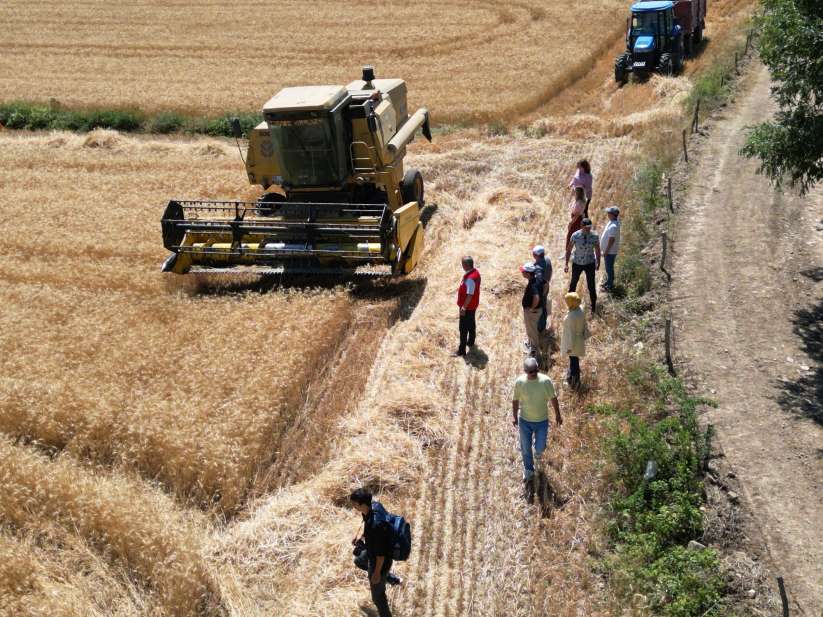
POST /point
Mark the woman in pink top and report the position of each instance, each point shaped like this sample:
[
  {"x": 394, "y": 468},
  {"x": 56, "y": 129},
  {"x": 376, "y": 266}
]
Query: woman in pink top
[
  {"x": 577, "y": 209},
  {"x": 583, "y": 178}
]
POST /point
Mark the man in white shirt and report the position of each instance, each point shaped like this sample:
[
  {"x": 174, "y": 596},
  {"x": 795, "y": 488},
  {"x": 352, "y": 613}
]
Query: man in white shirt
[{"x": 610, "y": 245}]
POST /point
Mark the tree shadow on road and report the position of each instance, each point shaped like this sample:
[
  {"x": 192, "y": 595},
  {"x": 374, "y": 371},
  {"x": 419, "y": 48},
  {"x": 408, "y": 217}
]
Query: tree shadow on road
[{"x": 804, "y": 396}]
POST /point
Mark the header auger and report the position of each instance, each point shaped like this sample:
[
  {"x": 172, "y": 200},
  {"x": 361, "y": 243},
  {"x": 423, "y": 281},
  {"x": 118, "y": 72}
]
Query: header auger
[{"x": 331, "y": 158}]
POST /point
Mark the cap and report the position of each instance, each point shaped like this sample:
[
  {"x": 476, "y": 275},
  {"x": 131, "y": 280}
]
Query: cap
[
  {"x": 612, "y": 210},
  {"x": 586, "y": 223},
  {"x": 538, "y": 250},
  {"x": 527, "y": 267},
  {"x": 530, "y": 365}
]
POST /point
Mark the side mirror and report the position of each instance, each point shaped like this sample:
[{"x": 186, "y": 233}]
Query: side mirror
[
  {"x": 426, "y": 130},
  {"x": 236, "y": 131}
]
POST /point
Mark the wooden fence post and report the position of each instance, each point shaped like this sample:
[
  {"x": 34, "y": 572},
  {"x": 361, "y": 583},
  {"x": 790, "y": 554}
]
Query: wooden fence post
[
  {"x": 669, "y": 360},
  {"x": 735, "y": 62},
  {"x": 685, "y": 152},
  {"x": 669, "y": 193},
  {"x": 696, "y": 118},
  {"x": 783, "y": 598}
]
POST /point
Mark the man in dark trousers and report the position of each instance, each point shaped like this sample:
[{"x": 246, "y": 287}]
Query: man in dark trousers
[
  {"x": 584, "y": 250},
  {"x": 468, "y": 299},
  {"x": 377, "y": 534}
]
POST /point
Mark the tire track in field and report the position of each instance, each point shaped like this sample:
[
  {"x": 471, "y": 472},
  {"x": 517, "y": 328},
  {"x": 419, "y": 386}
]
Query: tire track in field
[{"x": 460, "y": 508}]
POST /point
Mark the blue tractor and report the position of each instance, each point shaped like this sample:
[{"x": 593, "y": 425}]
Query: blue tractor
[{"x": 654, "y": 42}]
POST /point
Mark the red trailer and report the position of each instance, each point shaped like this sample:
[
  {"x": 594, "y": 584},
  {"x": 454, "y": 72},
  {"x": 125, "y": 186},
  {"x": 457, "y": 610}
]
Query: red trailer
[{"x": 691, "y": 15}]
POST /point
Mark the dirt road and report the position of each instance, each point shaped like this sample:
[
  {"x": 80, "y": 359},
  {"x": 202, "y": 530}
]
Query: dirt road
[{"x": 748, "y": 301}]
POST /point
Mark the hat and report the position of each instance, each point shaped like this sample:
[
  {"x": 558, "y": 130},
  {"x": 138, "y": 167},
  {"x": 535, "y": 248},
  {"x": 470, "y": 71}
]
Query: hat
[
  {"x": 612, "y": 210},
  {"x": 586, "y": 222},
  {"x": 572, "y": 299},
  {"x": 527, "y": 267},
  {"x": 538, "y": 250}
]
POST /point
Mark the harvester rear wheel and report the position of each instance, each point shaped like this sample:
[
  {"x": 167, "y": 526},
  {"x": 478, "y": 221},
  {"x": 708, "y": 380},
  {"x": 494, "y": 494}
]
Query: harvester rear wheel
[{"x": 411, "y": 188}]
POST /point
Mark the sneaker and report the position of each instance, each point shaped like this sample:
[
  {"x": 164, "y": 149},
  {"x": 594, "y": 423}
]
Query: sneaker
[
  {"x": 527, "y": 347},
  {"x": 393, "y": 579}
]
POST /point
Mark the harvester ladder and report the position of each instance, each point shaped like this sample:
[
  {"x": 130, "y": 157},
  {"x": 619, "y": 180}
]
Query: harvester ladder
[{"x": 357, "y": 162}]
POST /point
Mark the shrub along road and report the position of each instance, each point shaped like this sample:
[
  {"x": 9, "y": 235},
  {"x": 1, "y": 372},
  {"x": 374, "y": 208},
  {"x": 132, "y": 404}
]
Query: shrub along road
[{"x": 748, "y": 282}]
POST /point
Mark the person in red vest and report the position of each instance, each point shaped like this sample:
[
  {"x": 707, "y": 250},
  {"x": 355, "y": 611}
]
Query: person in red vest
[{"x": 468, "y": 298}]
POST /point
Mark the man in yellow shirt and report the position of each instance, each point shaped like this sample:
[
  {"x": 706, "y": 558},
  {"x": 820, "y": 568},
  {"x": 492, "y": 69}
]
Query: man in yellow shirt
[{"x": 530, "y": 412}]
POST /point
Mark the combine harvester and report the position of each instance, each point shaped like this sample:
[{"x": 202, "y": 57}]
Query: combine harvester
[
  {"x": 660, "y": 36},
  {"x": 332, "y": 159}
]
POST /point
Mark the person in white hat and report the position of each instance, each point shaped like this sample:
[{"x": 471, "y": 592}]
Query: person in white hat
[
  {"x": 532, "y": 306},
  {"x": 544, "y": 273},
  {"x": 610, "y": 245}
]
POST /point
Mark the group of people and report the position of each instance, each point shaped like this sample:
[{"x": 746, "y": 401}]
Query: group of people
[
  {"x": 534, "y": 392},
  {"x": 584, "y": 248}
]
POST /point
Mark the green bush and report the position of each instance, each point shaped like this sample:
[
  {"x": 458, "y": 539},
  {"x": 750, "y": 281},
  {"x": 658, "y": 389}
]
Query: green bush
[
  {"x": 164, "y": 123},
  {"x": 651, "y": 519},
  {"x": 633, "y": 277}
]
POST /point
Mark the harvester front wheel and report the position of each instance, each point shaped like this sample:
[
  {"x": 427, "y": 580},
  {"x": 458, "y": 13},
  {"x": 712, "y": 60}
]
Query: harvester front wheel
[{"x": 411, "y": 188}]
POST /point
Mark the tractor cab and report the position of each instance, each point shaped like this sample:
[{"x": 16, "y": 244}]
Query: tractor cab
[{"x": 654, "y": 41}]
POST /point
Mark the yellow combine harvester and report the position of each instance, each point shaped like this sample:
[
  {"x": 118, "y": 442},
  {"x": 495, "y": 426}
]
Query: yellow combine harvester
[{"x": 332, "y": 159}]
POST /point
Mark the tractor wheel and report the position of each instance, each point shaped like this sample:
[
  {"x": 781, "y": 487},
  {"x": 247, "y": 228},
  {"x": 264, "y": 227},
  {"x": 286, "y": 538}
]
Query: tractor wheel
[
  {"x": 621, "y": 72},
  {"x": 666, "y": 67},
  {"x": 688, "y": 46},
  {"x": 698, "y": 35},
  {"x": 412, "y": 187}
]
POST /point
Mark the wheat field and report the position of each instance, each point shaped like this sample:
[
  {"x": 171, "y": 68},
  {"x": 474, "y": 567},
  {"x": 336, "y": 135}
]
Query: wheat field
[
  {"x": 466, "y": 59},
  {"x": 163, "y": 441}
]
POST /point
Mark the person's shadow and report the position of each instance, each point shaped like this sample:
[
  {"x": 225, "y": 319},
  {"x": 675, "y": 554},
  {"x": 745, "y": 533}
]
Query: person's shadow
[{"x": 476, "y": 357}]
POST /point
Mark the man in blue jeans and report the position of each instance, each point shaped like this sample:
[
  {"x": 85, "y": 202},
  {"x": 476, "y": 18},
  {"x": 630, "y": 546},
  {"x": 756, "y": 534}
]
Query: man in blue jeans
[
  {"x": 610, "y": 245},
  {"x": 530, "y": 413}
]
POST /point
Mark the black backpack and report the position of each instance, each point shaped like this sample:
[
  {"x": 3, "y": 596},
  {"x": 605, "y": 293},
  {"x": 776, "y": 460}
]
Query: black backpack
[{"x": 401, "y": 531}]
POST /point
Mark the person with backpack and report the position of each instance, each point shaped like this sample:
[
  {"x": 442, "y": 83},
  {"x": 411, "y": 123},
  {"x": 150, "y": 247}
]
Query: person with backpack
[{"x": 386, "y": 537}]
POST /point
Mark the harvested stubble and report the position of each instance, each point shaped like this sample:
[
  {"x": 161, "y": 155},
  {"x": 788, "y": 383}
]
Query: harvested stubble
[
  {"x": 133, "y": 525},
  {"x": 189, "y": 389},
  {"x": 432, "y": 434},
  {"x": 472, "y": 58}
]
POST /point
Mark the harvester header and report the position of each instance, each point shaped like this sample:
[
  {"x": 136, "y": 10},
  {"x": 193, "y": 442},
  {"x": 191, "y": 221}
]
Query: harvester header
[{"x": 331, "y": 161}]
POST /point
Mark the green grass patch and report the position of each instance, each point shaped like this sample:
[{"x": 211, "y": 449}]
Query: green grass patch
[
  {"x": 714, "y": 86},
  {"x": 35, "y": 117},
  {"x": 654, "y": 504}
]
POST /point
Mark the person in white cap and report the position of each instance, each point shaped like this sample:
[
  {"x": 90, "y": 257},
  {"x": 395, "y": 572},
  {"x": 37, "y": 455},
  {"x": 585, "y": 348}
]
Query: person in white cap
[
  {"x": 610, "y": 245},
  {"x": 533, "y": 392},
  {"x": 544, "y": 274},
  {"x": 532, "y": 306}
]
